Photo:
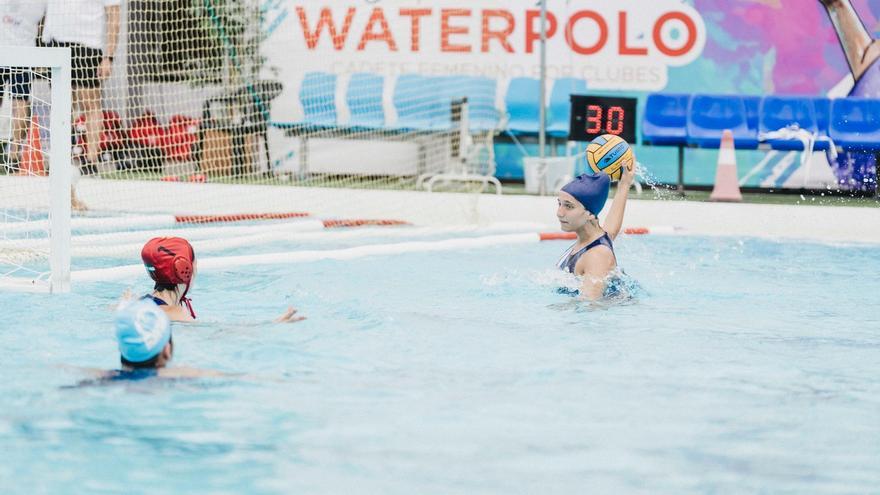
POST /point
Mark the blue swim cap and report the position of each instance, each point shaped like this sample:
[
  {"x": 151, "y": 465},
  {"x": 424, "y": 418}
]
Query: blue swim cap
[
  {"x": 142, "y": 330},
  {"x": 590, "y": 190}
]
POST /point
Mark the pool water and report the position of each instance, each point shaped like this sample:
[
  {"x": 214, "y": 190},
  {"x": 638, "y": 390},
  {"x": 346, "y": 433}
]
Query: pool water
[{"x": 745, "y": 365}]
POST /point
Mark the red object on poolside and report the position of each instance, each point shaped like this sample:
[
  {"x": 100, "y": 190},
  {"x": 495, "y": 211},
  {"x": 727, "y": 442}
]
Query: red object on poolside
[
  {"x": 170, "y": 178},
  {"x": 180, "y": 137},
  {"x": 32, "y": 155},
  {"x": 197, "y": 178},
  {"x": 112, "y": 134},
  {"x": 147, "y": 131}
]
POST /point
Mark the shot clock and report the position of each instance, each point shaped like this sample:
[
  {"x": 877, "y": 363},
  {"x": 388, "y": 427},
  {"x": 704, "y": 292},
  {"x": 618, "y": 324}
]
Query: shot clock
[{"x": 593, "y": 116}]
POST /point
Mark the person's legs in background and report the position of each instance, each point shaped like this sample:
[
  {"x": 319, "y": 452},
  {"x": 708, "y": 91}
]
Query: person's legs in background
[
  {"x": 87, "y": 101},
  {"x": 20, "y": 93}
]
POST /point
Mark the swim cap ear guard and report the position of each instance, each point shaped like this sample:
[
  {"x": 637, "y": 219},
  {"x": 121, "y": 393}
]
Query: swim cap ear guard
[
  {"x": 169, "y": 260},
  {"x": 183, "y": 269}
]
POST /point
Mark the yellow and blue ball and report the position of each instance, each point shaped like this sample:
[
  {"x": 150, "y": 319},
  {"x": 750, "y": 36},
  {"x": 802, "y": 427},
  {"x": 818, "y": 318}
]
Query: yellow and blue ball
[{"x": 609, "y": 154}]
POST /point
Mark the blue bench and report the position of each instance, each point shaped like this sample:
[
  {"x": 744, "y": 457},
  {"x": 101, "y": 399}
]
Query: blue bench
[
  {"x": 559, "y": 111},
  {"x": 665, "y": 124},
  {"x": 822, "y": 110},
  {"x": 665, "y": 120},
  {"x": 420, "y": 109},
  {"x": 317, "y": 94},
  {"x": 710, "y": 115},
  {"x": 523, "y": 110},
  {"x": 752, "y": 104},
  {"x": 480, "y": 94},
  {"x": 855, "y": 123},
  {"x": 364, "y": 100},
  {"x": 781, "y": 112}
]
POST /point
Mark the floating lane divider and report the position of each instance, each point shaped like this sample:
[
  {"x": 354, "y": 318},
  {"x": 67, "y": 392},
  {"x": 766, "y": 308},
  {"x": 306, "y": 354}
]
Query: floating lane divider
[
  {"x": 569, "y": 236},
  {"x": 130, "y": 222},
  {"x": 240, "y": 217},
  {"x": 196, "y": 233},
  {"x": 209, "y": 264},
  {"x": 296, "y": 237}
]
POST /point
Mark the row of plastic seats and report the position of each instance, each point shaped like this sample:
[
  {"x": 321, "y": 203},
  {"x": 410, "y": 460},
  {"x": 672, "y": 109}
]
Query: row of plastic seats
[
  {"x": 699, "y": 120},
  {"x": 422, "y": 103},
  {"x": 523, "y": 110}
]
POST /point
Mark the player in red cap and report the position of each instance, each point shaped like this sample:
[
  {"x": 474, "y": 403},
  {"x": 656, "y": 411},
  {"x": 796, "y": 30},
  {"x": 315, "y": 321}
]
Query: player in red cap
[{"x": 171, "y": 263}]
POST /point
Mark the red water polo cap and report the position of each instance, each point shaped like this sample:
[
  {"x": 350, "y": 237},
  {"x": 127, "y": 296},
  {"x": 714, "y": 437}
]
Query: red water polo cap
[{"x": 169, "y": 260}]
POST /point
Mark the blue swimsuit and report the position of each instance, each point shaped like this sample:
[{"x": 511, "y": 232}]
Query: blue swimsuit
[{"x": 569, "y": 259}]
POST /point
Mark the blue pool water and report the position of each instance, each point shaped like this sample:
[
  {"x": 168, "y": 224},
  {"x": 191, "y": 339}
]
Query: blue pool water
[{"x": 746, "y": 366}]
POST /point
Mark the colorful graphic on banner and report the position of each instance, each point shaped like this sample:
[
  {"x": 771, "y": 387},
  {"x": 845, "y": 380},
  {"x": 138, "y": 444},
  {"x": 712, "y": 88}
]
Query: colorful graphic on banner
[{"x": 628, "y": 47}]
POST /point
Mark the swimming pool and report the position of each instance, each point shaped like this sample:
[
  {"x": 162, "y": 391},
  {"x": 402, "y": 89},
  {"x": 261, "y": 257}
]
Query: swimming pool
[{"x": 748, "y": 365}]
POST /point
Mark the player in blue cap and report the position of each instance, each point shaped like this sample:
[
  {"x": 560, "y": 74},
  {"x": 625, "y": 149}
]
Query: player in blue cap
[
  {"x": 592, "y": 257},
  {"x": 143, "y": 334}
]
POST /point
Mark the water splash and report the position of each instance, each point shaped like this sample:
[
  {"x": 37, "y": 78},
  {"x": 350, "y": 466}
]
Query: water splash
[{"x": 661, "y": 192}]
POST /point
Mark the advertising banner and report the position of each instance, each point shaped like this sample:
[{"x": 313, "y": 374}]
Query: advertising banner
[{"x": 625, "y": 48}]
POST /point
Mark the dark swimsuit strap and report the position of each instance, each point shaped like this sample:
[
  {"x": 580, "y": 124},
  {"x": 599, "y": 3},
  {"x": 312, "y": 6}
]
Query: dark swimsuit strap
[
  {"x": 572, "y": 259},
  {"x": 156, "y": 300}
]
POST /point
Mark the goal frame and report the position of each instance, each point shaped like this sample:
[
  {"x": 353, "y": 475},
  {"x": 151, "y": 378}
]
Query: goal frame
[{"x": 57, "y": 60}]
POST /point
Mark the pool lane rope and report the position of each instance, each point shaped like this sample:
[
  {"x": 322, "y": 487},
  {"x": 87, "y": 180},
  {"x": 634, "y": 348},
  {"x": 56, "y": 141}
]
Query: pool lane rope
[
  {"x": 130, "y": 222},
  {"x": 218, "y": 263},
  {"x": 104, "y": 224}
]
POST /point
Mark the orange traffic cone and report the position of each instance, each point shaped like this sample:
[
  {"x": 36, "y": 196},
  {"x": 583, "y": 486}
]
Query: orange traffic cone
[
  {"x": 726, "y": 182},
  {"x": 32, "y": 155}
]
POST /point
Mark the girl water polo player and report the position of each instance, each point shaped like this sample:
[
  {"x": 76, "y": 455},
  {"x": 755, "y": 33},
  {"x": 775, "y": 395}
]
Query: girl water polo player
[
  {"x": 171, "y": 263},
  {"x": 592, "y": 257}
]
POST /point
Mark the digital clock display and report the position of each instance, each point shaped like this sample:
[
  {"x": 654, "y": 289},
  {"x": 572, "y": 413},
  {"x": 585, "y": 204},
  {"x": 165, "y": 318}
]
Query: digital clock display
[{"x": 593, "y": 116}]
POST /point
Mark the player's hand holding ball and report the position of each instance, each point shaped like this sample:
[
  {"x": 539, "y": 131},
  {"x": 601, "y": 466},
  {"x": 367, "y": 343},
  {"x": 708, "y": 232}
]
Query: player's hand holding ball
[{"x": 611, "y": 154}]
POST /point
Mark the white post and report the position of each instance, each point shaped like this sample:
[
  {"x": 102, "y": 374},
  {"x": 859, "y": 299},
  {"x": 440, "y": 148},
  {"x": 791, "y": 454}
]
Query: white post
[
  {"x": 542, "y": 105},
  {"x": 60, "y": 175},
  {"x": 58, "y": 60}
]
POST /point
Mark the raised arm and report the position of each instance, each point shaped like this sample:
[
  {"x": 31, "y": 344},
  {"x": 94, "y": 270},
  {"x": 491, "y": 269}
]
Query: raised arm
[
  {"x": 854, "y": 37},
  {"x": 614, "y": 219}
]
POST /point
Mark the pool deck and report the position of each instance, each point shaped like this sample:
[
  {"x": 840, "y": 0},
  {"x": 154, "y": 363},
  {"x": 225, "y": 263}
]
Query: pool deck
[
  {"x": 808, "y": 221},
  {"x": 834, "y": 224}
]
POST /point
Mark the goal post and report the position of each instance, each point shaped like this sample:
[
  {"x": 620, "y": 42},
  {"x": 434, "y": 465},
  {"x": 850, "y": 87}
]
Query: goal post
[
  {"x": 57, "y": 61},
  {"x": 208, "y": 110}
]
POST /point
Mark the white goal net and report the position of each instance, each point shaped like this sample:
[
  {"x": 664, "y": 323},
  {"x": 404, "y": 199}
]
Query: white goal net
[{"x": 178, "y": 117}]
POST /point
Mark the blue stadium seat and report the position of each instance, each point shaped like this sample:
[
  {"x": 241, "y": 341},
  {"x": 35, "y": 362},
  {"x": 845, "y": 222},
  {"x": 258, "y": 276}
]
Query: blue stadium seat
[
  {"x": 364, "y": 100},
  {"x": 665, "y": 119},
  {"x": 752, "y": 104},
  {"x": 559, "y": 113},
  {"x": 523, "y": 109},
  {"x": 779, "y": 112},
  {"x": 822, "y": 109},
  {"x": 421, "y": 103},
  {"x": 855, "y": 123},
  {"x": 710, "y": 115},
  {"x": 480, "y": 92},
  {"x": 317, "y": 94}
]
